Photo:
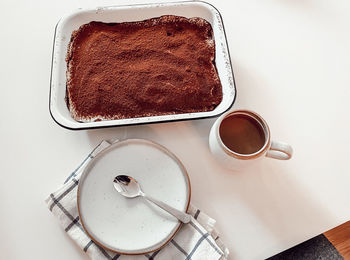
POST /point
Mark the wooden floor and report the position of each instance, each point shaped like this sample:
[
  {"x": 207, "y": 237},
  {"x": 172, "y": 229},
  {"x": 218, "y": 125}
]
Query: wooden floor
[{"x": 340, "y": 238}]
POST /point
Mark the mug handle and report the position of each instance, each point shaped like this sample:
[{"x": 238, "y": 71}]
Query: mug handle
[{"x": 280, "y": 150}]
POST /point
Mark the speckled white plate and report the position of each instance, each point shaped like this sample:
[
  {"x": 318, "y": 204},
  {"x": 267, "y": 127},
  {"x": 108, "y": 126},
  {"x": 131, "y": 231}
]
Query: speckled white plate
[{"x": 132, "y": 226}]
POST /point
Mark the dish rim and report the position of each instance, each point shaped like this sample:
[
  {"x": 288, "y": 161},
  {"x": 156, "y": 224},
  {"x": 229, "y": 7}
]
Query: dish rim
[
  {"x": 162, "y": 148},
  {"x": 82, "y": 125}
]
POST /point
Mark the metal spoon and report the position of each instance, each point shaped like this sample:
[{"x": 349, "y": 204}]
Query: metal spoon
[{"x": 130, "y": 188}]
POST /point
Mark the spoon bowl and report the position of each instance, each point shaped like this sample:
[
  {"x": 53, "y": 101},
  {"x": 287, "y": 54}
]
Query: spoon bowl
[{"x": 127, "y": 186}]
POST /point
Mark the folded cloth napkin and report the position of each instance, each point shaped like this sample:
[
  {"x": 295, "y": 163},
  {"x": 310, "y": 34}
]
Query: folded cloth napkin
[{"x": 195, "y": 240}]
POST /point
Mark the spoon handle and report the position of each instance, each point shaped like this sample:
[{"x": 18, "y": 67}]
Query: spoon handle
[{"x": 182, "y": 216}]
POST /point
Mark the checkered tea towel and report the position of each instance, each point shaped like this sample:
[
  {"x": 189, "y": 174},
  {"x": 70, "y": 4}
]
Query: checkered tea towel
[{"x": 195, "y": 240}]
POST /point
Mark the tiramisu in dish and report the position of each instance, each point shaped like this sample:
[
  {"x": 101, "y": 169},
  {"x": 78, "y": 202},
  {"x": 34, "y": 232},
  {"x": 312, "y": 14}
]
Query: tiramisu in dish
[{"x": 160, "y": 66}]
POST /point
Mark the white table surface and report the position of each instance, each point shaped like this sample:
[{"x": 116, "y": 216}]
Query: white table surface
[{"x": 291, "y": 61}]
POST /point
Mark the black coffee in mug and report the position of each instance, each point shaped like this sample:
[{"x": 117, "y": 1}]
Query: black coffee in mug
[{"x": 242, "y": 134}]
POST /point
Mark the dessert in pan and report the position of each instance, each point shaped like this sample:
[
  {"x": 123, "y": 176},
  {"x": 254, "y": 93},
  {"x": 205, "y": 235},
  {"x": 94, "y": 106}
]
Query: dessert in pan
[{"x": 159, "y": 66}]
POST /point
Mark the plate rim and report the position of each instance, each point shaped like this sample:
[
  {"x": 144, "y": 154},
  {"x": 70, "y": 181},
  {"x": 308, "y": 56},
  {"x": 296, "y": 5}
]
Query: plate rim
[{"x": 85, "y": 171}]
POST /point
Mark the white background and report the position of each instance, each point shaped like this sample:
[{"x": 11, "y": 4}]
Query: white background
[{"x": 291, "y": 60}]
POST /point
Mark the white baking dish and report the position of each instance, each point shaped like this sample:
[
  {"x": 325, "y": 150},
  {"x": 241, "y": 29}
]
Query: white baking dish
[{"x": 129, "y": 13}]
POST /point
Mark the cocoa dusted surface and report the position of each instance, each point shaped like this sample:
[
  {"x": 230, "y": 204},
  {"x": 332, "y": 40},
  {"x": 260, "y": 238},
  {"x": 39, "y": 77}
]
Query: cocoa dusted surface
[{"x": 159, "y": 66}]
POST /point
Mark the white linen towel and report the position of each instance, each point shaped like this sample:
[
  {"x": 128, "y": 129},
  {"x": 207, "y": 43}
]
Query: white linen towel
[{"x": 195, "y": 240}]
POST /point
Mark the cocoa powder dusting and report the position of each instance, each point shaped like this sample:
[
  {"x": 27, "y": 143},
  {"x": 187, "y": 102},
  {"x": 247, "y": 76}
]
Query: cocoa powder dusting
[{"x": 158, "y": 66}]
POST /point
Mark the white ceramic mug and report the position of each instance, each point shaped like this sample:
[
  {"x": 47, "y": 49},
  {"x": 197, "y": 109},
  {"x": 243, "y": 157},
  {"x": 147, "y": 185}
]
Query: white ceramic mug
[{"x": 234, "y": 160}]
